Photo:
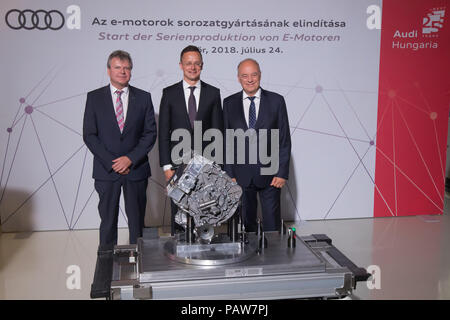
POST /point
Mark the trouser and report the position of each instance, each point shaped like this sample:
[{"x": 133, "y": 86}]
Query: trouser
[
  {"x": 135, "y": 196},
  {"x": 270, "y": 207}
]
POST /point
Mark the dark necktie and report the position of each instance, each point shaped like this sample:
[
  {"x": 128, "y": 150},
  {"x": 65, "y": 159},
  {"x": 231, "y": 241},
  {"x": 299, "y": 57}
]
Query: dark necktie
[
  {"x": 252, "y": 113},
  {"x": 192, "y": 107}
]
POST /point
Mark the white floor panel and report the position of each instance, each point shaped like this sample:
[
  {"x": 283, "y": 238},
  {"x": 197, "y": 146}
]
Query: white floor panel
[{"x": 412, "y": 254}]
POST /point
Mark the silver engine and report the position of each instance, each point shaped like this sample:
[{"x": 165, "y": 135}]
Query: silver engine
[{"x": 203, "y": 191}]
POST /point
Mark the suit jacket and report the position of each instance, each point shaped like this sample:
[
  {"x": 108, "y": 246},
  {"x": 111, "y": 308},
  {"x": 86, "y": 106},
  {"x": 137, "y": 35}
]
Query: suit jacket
[
  {"x": 272, "y": 115},
  {"x": 173, "y": 115},
  {"x": 102, "y": 135}
]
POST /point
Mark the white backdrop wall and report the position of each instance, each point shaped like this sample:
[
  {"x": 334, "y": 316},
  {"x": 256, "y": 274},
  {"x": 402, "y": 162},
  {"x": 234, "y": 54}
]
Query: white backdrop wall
[{"x": 327, "y": 72}]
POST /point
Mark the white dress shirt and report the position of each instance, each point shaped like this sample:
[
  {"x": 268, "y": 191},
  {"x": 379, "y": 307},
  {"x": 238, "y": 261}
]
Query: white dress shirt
[
  {"x": 124, "y": 97},
  {"x": 247, "y": 102}
]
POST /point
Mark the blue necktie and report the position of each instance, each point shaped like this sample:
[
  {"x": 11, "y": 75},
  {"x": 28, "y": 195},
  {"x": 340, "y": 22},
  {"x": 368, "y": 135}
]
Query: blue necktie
[{"x": 252, "y": 113}]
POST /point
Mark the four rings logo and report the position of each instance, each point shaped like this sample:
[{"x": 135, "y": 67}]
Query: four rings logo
[{"x": 40, "y": 19}]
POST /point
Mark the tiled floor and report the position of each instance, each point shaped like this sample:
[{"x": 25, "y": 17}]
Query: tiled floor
[{"x": 412, "y": 253}]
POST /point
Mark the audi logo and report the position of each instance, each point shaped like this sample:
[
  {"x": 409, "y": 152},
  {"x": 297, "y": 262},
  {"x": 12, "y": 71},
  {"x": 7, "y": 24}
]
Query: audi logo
[{"x": 39, "y": 19}]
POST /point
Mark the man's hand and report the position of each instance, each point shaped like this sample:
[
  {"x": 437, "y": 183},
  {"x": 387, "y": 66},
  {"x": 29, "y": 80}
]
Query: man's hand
[
  {"x": 169, "y": 174},
  {"x": 126, "y": 172},
  {"x": 278, "y": 182},
  {"x": 121, "y": 165}
]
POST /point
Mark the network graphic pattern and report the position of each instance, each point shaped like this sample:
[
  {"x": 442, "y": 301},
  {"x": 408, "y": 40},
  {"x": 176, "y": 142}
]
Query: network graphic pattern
[
  {"x": 28, "y": 115},
  {"x": 411, "y": 153},
  {"x": 331, "y": 115}
]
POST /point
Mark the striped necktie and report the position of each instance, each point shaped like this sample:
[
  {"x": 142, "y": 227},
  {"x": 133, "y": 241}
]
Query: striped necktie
[{"x": 119, "y": 111}]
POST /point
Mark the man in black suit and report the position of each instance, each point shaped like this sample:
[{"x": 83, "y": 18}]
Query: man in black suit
[
  {"x": 258, "y": 109},
  {"x": 119, "y": 128},
  {"x": 183, "y": 103}
]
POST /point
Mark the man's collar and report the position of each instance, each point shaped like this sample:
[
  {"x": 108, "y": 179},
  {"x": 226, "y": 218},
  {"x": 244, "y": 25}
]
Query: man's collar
[
  {"x": 187, "y": 85},
  {"x": 257, "y": 94},
  {"x": 114, "y": 89}
]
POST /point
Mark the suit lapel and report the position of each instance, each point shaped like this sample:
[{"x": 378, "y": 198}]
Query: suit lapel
[
  {"x": 240, "y": 112},
  {"x": 202, "y": 103},
  {"x": 110, "y": 112},
  {"x": 262, "y": 110},
  {"x": 131, "y": 111},
  {"x": 180, "y": 103}
]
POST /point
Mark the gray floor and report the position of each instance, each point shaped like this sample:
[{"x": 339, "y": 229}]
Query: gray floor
[{"x": 412, "y": 255}]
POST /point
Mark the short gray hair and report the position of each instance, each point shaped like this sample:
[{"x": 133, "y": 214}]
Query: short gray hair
[{"x": 122, "y": 55}]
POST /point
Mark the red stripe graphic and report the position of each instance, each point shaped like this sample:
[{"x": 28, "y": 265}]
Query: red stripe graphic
[{"x": 413, "y": 108}]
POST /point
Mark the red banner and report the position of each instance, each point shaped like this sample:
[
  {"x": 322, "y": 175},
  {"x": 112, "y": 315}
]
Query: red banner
[{"x": 413, "y": 108}]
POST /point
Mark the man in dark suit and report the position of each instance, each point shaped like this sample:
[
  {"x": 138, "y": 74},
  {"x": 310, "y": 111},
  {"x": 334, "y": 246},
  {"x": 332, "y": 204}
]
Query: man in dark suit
[
  {"x": 119, "y": 129},
  {"x": 183, "y": 103},
  {"x": 258, "y": 109}
]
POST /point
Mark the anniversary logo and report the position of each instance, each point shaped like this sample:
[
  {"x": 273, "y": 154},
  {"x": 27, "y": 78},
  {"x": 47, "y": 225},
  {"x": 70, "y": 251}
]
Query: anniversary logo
[{"x": 432, "y": 23}]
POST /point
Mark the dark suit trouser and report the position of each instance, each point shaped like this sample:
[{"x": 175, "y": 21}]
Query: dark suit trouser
[
  {"x": 135, "y": 196},
  {"x": 270, "y": 207}
]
